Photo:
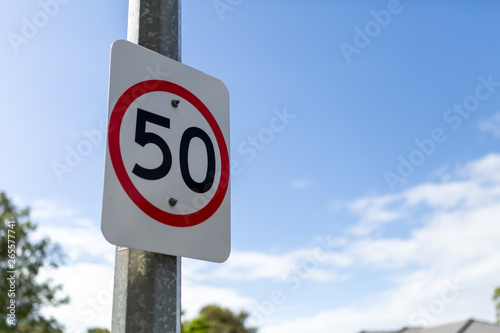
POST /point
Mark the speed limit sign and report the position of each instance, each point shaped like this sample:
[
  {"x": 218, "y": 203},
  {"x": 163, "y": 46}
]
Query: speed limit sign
[{"x": 166, "y": 182}]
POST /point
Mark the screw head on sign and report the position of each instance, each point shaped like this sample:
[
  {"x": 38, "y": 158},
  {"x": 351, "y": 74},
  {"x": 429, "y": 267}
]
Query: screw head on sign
[
  {"x": 175, "y": 103},
  {"x": 172, "y": 202}
]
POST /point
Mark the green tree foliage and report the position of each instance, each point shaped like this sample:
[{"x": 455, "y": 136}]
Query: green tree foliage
[
  {"x": 42, "y": 326},
  {"x": 496, "y": 299},
  {"x": 214, "y": 319},
  {"x": 97, "y": 330},
  {"x": 197, "y": 325},
  {"x": 26, "y": 257}
]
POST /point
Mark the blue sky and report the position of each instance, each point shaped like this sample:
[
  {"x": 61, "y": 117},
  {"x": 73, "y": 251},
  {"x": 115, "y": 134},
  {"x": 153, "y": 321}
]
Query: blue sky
[{"x": 376, "y": 202}]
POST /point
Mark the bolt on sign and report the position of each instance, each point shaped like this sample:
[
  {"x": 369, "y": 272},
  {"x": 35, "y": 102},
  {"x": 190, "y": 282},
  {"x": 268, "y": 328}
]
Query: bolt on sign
[{"x": 166, "y": 179}]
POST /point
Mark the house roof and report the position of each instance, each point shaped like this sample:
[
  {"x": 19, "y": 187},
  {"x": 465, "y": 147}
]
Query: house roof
[
  {"x": 466, "y": 326},
  {"x": 458, "y": 327},
  {"x": 482, "y": 327},
  {"x": 410, "y": 330}
]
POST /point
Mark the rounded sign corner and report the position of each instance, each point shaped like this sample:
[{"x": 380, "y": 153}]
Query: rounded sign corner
[
  {"x": 225, "y": 256},
  {"x": 108, "y": 236}
]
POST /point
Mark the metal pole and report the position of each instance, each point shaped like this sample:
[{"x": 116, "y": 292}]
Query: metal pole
[
  {"x": 147, "y": 290},
  {"x": 156, "y": 25}
]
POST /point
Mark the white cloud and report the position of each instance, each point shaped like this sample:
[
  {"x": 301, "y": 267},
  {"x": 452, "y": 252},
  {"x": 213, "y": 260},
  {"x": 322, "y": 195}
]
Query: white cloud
[
  {"x": 80, "y": 242},
  {"x": 251, "y": 265},
  {"x": 444, "y": 270},
  {"x": 47, "y": 210},
  {"x": 475, "y": 184},
  {"x": 89, "y": 284},
  {"x": 255, "y": 265},
  {"x": 90, "y": 287},
  {"x": 491, "y": 125},
  {"x": 422, "y": 298},
  {"x": 195, "y": 296},
  {"x": 79, "y": 237},
  {"x": 87, "y": 277},
  {"x": 375, "y": 212},
  {"x": 447, "y": 239},
  {"x": 484, "y": 171},
  {"x": 454, "y": 238}
]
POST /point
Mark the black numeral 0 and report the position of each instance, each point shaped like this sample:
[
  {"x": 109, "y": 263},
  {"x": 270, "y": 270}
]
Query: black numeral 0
[
  {"x": 143, "y": 138},
  {"x": 205, "y": 185}
]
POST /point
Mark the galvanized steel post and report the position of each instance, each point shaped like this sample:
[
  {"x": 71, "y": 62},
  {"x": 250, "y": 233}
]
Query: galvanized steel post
[{"x": 147, "y": 285}]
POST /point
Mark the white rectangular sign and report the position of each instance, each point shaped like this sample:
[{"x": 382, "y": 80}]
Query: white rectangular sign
[{"x": 166, "y": 183}]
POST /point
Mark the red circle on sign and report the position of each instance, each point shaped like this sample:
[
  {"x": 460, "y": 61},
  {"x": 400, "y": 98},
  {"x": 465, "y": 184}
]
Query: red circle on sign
[{"x": 115, "y": 122}]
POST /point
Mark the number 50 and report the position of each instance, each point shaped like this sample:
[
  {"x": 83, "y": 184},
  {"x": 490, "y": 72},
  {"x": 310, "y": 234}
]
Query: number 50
[{"x": 143, "y": 138}]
